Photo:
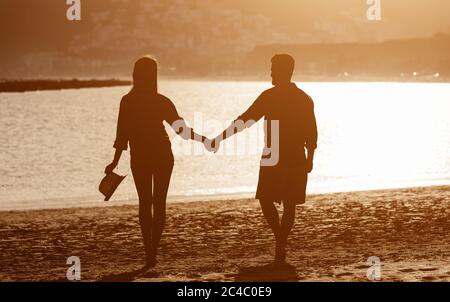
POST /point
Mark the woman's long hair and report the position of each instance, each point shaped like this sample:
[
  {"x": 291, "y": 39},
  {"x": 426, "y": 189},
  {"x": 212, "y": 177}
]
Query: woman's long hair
[{"x": 145, "y": 75}]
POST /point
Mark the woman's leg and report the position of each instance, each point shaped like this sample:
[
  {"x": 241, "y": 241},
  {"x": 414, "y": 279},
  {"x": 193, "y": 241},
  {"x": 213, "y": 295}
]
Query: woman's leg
[
  {"x": 143, "y": 182},
  {"x": 161, "y": 180}
]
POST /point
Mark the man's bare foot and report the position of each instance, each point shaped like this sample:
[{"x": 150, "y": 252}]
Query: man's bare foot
[
  {"x": 280, "y": 252},
  {"x": 150, "y": 262}
]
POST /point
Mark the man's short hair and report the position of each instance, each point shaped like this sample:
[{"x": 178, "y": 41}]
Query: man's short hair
[{"x": 284, "y": 62}]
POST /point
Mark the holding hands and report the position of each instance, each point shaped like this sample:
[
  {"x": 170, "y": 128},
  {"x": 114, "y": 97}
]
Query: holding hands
[{"x": 212, "y": 145}]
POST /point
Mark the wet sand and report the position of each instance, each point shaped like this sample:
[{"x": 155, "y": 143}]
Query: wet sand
[{"x": 408, "y": 229}]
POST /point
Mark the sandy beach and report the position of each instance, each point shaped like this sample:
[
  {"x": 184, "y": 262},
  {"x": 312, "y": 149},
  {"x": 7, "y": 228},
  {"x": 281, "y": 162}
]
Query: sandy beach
[{"x": 408, "y": 229}]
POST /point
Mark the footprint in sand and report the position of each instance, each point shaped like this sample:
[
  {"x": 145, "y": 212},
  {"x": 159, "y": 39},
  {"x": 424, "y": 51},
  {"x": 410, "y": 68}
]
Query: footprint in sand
[
  {"x": 344, "y": 274},
  {"x": 428, "y": 278},
  {"x": 429, "y": 269},
  {"x": 407, "y": 270}
]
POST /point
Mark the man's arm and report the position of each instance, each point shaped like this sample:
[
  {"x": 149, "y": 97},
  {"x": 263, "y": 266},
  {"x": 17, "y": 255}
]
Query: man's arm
[
  {"x": 245, "y": 120},
  {"x": 311, "y": 136},
  {"x": 235, "y": 127}
]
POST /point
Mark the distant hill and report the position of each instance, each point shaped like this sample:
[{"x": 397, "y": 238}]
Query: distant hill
[{"x": 422, "y": 59}]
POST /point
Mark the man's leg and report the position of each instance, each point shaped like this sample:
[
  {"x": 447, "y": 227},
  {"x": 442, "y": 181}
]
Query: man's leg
[
  {"x": 271, "y": 214},
  {"x": 287, "y": 222}
]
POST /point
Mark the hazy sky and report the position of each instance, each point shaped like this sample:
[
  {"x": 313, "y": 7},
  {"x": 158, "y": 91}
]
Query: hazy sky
[
  {"x": 26, "y": 21},
  {"x": 31, "y": 27}
]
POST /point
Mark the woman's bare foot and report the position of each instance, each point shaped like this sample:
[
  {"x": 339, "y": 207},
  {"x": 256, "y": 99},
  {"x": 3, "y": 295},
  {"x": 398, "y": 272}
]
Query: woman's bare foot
[
  {"x": 151, "y": 261},
  {"x": 280, "y": 252}
]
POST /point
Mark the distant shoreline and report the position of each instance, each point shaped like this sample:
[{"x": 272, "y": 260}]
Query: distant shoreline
[
  {"x": 9, "y": 85},
  {"x": 47, "y": 84},
  {"x": 91, "y": 202}
]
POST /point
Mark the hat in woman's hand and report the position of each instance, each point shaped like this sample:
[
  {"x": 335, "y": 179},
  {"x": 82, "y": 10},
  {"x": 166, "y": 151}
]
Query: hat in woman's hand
[{"x": 109, "y": 184}]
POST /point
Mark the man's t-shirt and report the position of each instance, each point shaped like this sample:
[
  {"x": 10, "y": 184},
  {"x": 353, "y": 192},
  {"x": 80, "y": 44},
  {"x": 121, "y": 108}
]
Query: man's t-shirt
[{"x": 293, "y": 110}]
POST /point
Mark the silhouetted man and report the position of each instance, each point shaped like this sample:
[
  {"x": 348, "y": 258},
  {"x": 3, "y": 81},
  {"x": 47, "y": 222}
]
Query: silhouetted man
[{"x": 289, "y": 122}]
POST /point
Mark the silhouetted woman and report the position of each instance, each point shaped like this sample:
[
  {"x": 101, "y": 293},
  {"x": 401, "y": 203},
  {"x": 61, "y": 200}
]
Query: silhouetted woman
[{"x": 140, "y": 123}]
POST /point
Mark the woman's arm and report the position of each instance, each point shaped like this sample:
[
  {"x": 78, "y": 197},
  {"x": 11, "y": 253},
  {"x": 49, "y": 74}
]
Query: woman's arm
[
  {"x": 122, "y": 137},
  {"x": 197, "y": 137},
  {"x": 115, "y": 161},
  {"x": 181, "y": 128}
]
